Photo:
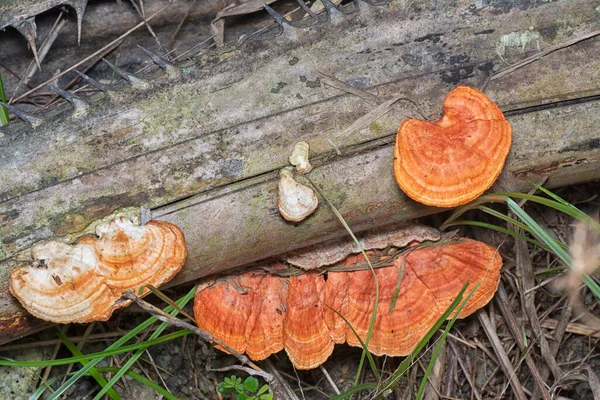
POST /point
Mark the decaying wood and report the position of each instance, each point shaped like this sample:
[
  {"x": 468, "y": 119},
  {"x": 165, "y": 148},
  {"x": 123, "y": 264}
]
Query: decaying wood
[{"x": 203, "y": 151}]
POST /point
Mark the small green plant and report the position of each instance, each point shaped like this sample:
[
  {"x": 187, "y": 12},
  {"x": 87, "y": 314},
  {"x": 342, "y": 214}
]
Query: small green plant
[
  {"x": 248, "y": 390},
  {"x": 3, "y": 111}
]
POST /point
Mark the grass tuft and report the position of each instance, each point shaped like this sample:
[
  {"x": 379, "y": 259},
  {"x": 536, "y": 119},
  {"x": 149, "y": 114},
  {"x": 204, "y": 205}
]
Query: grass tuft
[
  {"x": 4, "y": 118},
  {"x": 528, "y": 224},
  {"x": 89, "y": 361}
]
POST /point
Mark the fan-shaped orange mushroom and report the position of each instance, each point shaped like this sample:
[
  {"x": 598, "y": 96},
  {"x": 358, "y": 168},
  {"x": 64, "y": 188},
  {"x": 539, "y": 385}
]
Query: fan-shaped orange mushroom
[
  {"x": 414, "y": 291},
  {"x": 67, "y": 288},
  {"x": 130, "y": 256},
  {"x": 84, "y": 283},
  {"x": 454, "y": 160}
]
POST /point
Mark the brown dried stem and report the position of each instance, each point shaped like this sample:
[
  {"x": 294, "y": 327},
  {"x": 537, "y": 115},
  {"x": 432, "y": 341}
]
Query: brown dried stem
[{"x": 163, "y": 316}]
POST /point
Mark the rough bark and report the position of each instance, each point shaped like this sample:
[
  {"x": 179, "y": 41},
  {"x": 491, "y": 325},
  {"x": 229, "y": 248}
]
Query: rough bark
[{"x": 204, "y": 150}]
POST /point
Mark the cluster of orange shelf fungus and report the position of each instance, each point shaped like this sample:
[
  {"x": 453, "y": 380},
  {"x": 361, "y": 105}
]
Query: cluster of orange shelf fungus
[
  {"x": 446, "y": 163},
  {"x": 298, "y": 305},
  {"x": 261, "y": 314}
]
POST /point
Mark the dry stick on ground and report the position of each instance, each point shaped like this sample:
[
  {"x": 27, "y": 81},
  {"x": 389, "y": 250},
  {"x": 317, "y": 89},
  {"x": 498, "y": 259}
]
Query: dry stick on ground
[
  {"x": 451, "y": 375},
  {"x": 72, "y": 82},
  {"x": 594, "y": 382},
  {"x": 509, "y": 371},
  {"x": 344, "y": 87},
  {"x": 140, "y": 10},
  {"x": 279, "y": 385},
  {"x": 96, "y": 53},
  {"x": 174, "y": 35},
  {"x": 364, "y": 95},
  {"x": 291, "y": 377},
  {"x": 163, "y": 316},
  {"x": 43, "y": 51},
  {"x": 513, "y": 325},
  {"x": 561, "y": 326},
  {"x": 572, "y": 327},
  {"x": 525, "y": 269},
  {"x": 329, "y": 379},
  {"x": 156, "y": 370}
]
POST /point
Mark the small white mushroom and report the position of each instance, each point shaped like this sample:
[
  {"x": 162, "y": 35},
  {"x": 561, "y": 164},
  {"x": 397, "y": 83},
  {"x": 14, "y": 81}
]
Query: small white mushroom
[
  {"x": 299, "y": 158},
  {"x": 295, "y": 200}
]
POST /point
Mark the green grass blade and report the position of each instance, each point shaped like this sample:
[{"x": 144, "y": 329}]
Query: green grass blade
[
  {"x": 503, "y": 217},
  {"x": 500, "y": 229},
  {"x": 123, "y": 340},
  {"x": 45, "y": 386},
  {"x": 4, "y": 117},
  {"x": 407, "y": 362},
  {"x": 93, "y": 372},
  {"x": 442, "y": 340},
  {"x": 140, "y": 378},
  {"x": 95, "y": 361},
  {"x": 125, "y": 368},
  {"x": 591, "y": 284},
  {"x": 158, "y": 293},
  {"x": 362, "y": 344},
  {"x": 488, "y": 198},
  {"x": 109, "y": 351},
  {"x": 549, "y": 271},
  {"x": 567, "y": 209},
  {"x": 539, "y": 232},
  {"x": 376, "y": 300},
  {"x": 143, "y": 380},
  {"x": 585, "y": 201},
  {"x": 551, "y": 194},
  {"x": 355, "y": 389}
]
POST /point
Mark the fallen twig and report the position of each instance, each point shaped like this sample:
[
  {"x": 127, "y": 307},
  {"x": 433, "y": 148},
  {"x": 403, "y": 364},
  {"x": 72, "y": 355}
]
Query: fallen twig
[
  {"x": 511, "y": 321},
  {"x": 464, "y": 364},
  {"x": 538, "y": 56},
  {"x": 509, "y": 371},
  {"x": 528, "y": 300},
  {"x": 164, "y": 317},
  {"x": 72, "y": 67}
]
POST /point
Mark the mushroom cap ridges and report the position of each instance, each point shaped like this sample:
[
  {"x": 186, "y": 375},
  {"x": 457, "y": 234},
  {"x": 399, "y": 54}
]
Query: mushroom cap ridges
[
  {"x": 414, "y": 292},
  {"x": 130, "y": 256},
  {"x": 454, "y": 160},
  {"x": 85, "y": 282},
  {"x": 244, "y": 312},
  {"x": 67, "y": 289}
]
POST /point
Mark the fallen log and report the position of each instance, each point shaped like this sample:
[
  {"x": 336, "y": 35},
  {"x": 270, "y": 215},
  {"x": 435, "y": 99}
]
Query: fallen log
[{"x": 204, "y": 150}]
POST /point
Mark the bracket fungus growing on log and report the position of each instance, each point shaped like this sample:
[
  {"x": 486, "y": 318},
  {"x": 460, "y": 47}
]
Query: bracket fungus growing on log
[
  {"x": 84, "y": 282},
  {"x": 300, "y": 158},
  {"x": 283, "y": 307},
  {"x": 454, "y": 160},
  {"x": 130, "y": 256},
  {"x": 294, "y": 200}
]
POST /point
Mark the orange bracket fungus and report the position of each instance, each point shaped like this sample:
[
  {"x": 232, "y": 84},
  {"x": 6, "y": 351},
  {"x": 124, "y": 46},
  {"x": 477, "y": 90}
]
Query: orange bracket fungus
[
  {"x": 454, "y": 160},
  {"x": 84, "y": 282},
  {"x": 264, "y": 311}
]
